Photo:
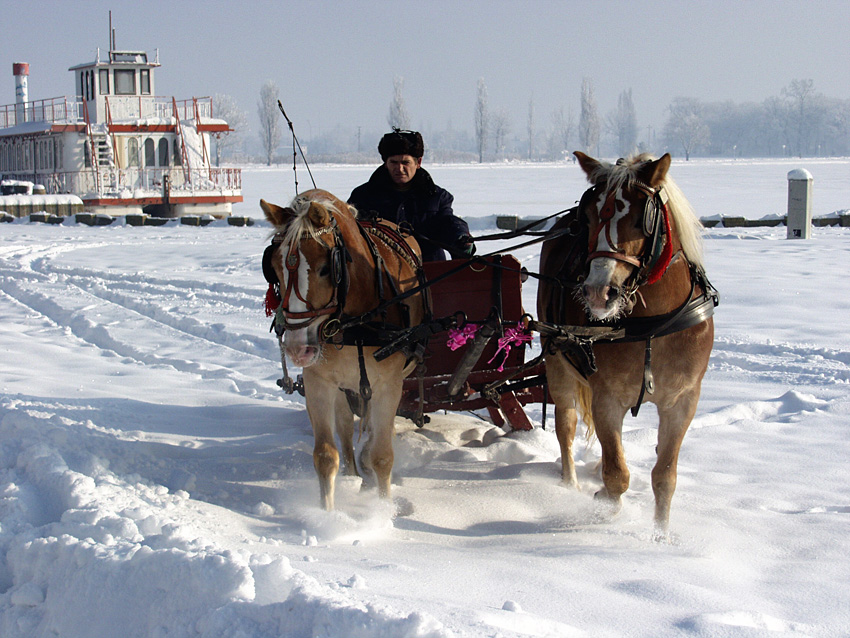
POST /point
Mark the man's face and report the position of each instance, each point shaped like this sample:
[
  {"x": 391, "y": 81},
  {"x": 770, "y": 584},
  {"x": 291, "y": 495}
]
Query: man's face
[{"x": 402, "y": 168}]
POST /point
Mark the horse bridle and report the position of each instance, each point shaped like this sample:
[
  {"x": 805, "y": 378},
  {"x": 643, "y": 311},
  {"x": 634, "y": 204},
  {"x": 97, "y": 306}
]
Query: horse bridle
[
  {"x": 654, "y": 225},
  {"x": 338, "y": 260}
]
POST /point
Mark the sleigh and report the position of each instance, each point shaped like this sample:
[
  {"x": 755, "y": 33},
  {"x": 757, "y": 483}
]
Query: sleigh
[{"x": 481, "y": 362}]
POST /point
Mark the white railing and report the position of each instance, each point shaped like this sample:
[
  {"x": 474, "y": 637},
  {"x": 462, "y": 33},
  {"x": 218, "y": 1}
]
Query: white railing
[
  {"x": 128, "y": 183},
  {"x": 67, "y": 110},
  {"x": 63, "y": 110},
  {"x": 136, "y": 107}
]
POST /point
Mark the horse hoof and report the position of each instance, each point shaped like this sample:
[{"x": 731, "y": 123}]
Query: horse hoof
[
  {"x": 571, "y": 483},
  {"x": 606, "y": 506},
  {"x": 661, "y": 536}
]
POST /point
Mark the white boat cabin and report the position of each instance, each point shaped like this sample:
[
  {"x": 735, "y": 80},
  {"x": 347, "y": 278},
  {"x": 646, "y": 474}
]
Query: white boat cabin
[{"x": 116, "y": 144}]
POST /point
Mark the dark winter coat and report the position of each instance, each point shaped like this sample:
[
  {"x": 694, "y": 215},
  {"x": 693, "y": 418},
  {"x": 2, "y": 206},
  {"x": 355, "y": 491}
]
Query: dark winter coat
[{"x": 425, "y": 207}]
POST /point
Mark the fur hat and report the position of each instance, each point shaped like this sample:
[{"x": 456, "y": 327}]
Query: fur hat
[{"x": 401, "y": 143}]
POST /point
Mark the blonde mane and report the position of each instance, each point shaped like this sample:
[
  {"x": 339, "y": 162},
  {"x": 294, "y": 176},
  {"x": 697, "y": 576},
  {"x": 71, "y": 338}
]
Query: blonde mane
[
  {"x": 301, "y": 224},
  {"x": 687, "y": 224}
]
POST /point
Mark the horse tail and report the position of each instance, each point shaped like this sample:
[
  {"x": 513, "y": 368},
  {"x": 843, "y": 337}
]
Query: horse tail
[{"x": 583, "y": 403}]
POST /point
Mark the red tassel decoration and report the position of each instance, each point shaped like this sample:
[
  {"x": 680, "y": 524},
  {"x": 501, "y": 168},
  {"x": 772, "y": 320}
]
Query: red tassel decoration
[
  {"x": 666, "y": 254},
  {"x": 272, "y": 301}
]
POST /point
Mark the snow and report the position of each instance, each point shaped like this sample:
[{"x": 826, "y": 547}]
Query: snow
[
  {"x": 155, "y": 482},
  {"x": 799, "y": 174},
  {"x": 34, "y": 201}
]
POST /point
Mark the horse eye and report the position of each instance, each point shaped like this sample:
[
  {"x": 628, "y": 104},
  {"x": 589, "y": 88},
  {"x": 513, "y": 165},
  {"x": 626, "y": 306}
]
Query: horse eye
[{"x": 325, "y": 270}]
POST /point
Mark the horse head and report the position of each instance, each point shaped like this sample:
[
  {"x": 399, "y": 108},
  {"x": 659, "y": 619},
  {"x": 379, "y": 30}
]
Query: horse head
[
  {"x": 630, "y": 242},
  {"x": 308, "y": 258}
]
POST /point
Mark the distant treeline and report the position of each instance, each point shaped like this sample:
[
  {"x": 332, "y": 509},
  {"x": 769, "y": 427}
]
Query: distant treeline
[{"x": 799, "y": 122}]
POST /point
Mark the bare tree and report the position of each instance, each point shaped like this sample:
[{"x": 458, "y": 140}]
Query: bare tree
[
  {"x": 482, "y": 117},
  {"x": 501, "y": 122},
  {"x": 800, "y": 95},
  {"x": 398, "y": 116},
  {"x": 562, "y": 132},
  {"x": 623, "y": 124},
  {"x": 226, "y": 108},
  {"x": 588, "y": 123},
  {"x": 685, "y": 125},
  {"x": 271, "y": 128}
]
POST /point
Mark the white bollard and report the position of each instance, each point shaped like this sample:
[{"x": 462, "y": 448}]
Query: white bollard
[{"x": 799, "y": 221}]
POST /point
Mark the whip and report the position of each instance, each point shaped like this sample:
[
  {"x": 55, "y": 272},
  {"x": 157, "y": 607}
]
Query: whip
[{"x": 295, "y": 143}]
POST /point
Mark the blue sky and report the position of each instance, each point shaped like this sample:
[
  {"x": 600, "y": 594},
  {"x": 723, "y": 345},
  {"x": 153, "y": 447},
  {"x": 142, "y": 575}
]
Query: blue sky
[{"x": 335, "y": 61}]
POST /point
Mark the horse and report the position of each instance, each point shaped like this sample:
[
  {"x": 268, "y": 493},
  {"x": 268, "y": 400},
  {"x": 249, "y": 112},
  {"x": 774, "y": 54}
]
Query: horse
[
  {"x": 627, "y": 261},
  {"x": 332, "y": 273}
]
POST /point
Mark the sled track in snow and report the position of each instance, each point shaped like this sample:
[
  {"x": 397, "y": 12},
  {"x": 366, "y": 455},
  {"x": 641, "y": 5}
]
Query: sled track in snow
[
  {"x": 120, "y": 313},
  {"x": 782, "y": 362}
]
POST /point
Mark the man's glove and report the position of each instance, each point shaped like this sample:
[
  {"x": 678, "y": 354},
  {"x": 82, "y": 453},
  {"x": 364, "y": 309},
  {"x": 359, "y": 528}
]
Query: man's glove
[{"x": 466, "y": 247}]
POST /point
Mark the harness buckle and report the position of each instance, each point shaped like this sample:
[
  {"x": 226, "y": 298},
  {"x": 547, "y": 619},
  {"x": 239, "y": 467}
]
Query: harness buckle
[{"x": 331, "y": 328}]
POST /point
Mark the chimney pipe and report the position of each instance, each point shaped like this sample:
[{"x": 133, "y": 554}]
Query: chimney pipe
[{"x": 21, "y": 71}]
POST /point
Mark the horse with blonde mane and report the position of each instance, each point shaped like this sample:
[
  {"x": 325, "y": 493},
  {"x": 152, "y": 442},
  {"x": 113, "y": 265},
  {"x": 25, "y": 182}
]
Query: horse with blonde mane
[
  {"x": 331, "y": 272},
  {"x": 628, "y": 262}
]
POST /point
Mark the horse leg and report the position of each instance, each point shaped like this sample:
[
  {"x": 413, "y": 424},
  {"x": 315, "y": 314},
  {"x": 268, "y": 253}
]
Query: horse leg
[
  {"x": 345, "y": 432},
  {"x": 608, "y": 418},
  {"x": 672, "y": 426},
  {"x": 564, "y": 390},
  {"x": 320, "y": 408},
  {"x": 378, "y": 454}
]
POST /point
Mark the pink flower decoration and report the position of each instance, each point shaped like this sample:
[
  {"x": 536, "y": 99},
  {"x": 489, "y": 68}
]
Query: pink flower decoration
[
  {"x": 513, "y": 337},
  {"x": 458, "y": 338}
]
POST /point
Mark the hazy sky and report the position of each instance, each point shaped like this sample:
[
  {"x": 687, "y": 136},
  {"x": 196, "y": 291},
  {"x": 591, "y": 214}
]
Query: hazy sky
[{"x": 335, "y": 61}]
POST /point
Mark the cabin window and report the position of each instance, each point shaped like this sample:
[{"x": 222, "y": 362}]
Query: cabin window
[
  {"x": 103, "y": 80},
  {"x": 150, "y": 153},
  {"x": 87, "y": 154},
  {"x": 145, "y": 81},
  {"x": 44, "y": 155},
  {"x": 125, "y": 82},
  {"x": 132, "y": 152},
  {"x": 58, "y": 152},
  {"x": 178, "y": 154},
  {"x": 163, "y": 152}
]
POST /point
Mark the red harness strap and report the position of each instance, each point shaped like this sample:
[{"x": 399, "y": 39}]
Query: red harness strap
[{"x": 292, "y": 262}]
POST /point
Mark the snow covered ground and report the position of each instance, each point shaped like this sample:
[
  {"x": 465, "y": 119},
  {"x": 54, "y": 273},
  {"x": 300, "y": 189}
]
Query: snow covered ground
[{"x": 155, "y": 482}]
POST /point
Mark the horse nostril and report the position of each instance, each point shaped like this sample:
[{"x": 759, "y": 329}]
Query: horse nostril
[{"x": 613, "y": 293}]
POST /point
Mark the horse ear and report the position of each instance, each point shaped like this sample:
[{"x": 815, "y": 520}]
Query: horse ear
[
  {"x": 589, "y": 165},
  {"x": 319, "y": 215},
  {"x": 277, "y": 216},
  {"x": 656, "y": 171}
]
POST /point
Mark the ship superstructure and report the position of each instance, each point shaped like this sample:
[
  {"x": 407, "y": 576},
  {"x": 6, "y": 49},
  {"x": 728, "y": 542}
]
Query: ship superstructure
[{"x": 116, "y": 144}]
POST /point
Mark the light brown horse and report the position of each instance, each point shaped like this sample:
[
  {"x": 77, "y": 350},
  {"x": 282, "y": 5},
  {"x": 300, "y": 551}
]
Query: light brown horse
[
  {"x": 633, "y": 262},
  {"x": 331, "y": 269}
]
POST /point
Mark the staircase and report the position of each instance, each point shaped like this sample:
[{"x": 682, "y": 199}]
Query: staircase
[{"x": 103, "y": 151}]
